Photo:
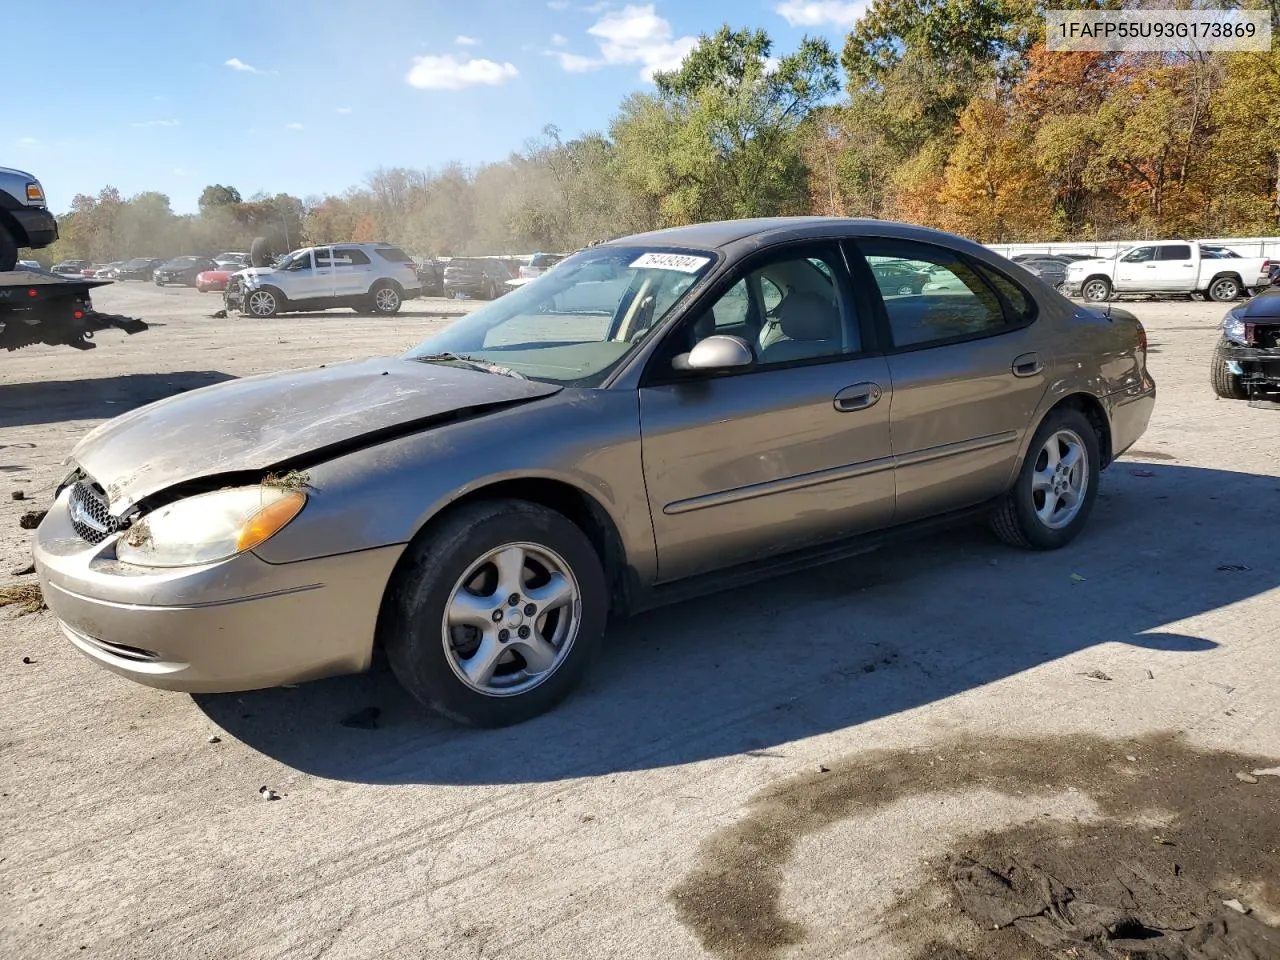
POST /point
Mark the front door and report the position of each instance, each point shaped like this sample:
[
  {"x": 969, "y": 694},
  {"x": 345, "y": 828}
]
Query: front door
[
  {"x": 790, "y": 452},
  {"x": 1137, "y": 270},
  {"x": 968, "y": 366}
]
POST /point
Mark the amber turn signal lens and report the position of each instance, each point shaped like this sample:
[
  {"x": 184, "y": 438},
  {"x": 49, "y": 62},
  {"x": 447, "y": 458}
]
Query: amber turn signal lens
[
  {"x": 269, "y": 521},
  {"x": 34, "y": 193}
]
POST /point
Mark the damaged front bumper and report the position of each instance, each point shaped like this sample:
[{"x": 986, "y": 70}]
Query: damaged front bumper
[{"x": 1257, "y": 367}]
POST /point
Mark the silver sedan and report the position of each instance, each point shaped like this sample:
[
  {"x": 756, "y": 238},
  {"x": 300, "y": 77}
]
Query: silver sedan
[{"x": 662, "y": 415}]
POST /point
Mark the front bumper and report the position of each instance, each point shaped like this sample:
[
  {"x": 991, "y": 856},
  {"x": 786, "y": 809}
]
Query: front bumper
[
  {"x": 238, "y": 624},
  {"x": 1071, "y": 288},
  {"x": 1255, "y": 366},
  {"x": 39, "y": 225}
]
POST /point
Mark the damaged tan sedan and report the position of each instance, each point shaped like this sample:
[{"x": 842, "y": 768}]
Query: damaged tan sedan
[{"x": 658, "y": 416}]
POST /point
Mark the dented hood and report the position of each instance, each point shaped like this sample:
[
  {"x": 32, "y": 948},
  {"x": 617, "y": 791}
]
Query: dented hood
[{"x": 261, "y": 422}]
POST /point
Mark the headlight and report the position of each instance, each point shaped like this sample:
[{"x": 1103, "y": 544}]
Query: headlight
[
  {"x": 209, "y": 527},
  {"x": 1233, "y": 327}
]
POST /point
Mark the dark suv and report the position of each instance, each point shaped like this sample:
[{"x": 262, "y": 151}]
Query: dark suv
[
  {"x": 482, "y": 277},
  {"x": 183, "y": 270},
  {"x": 139, "y": 268},
  {"x": 25, "y": 221}
]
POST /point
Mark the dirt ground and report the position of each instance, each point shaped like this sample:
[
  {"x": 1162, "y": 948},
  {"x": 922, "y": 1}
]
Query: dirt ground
[{"x": 886, "y": 758}]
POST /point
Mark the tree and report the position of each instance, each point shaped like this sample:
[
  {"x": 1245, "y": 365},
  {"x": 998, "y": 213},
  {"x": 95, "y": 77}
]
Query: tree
[{"x": 216, "y": 195}]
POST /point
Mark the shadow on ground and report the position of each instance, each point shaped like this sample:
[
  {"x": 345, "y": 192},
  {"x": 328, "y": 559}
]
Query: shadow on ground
[
  {"x": 53, "y": 401},
  {"x": 754, "y": 668}
]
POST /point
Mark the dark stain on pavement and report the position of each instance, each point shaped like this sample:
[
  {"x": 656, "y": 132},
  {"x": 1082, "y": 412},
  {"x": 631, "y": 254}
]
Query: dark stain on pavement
[{"x": 1100, "y": 889}]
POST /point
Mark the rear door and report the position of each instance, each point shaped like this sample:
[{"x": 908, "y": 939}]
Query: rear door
[
  {"x": 353, "y": 272},
  {"x": 966, "y": 362},
  {"x": 1136, "y": 270},
  {"x": 1175, "y": 268},
  {"x": 790, "y": 452}
]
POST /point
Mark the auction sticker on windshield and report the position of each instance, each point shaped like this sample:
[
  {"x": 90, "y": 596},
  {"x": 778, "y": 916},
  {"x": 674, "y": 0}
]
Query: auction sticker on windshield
[{"x": 683, "y": 262}]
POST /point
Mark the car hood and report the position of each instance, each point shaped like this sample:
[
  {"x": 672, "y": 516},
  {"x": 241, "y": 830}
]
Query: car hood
[
  {"x": 1078, "y": 265},
  {"x": 255, "y": 273},
  {"x": 260, "y": 423}
]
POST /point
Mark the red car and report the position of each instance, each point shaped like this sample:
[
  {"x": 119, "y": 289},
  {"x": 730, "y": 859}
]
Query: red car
[{"x": 213, "y": 280}]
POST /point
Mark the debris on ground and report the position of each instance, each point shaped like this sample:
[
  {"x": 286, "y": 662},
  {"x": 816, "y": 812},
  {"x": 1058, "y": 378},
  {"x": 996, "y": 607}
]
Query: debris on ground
[
  {"x": 1096, "y": 675},
  {"x": 1150, "y": 675},
  {"x": 366, "y": 719},
  {"x": 1268, "y": 772},
  {"x": 31, "y": 519},
  {"x": 25, "y": 596},
  {"x": 1235, "y": 905},
  {"x": 823, "y": 768},
  {"x": 19, "y": 495},
  {"x": 293, "y": 480},
  {"x": 268, "y": 794},
  {"x": 1142, "y": 473},
  {"x": 23, "y": 571},
  {"x": 218, "y": 315},
  {"x": 214, "y": 738},
  {"x": 1234, "y": 567},
  {"x": 1163, "y": 841},
  {"x": 27, "y": 660},
  {"x": 1246, "y": 777}
]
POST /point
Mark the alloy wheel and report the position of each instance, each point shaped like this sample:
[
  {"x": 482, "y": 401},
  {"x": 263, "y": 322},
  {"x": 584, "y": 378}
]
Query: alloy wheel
[
  {"x": 1060, "y": 479},
  {"x": 387, "y": 300}
]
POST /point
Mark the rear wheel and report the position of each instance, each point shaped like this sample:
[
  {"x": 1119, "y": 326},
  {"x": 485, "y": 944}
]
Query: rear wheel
[
  {"x": 1225, "y": 383},
  {"x": 497, "y": 614},
  {"x": 1054, "y": 493},
  {"x": 385, "y": 298},
  {"x": 1224, "y": 289}
]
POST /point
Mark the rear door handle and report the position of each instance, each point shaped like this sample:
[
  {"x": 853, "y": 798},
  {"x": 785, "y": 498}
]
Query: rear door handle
[
  {"x": 1027, "y": 365},
  {"x": 859, "y": 396}
]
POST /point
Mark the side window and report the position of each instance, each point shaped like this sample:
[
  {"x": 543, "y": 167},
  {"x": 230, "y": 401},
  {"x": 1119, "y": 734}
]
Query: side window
[
  {"x": 355, "y": 258},
  {"x": 1180, "y": 251},
  {"x": 302, "y": 263},
  {"x": 789, "y": 310},
  {"x": 954, "y": 300},
  {"x": 1021, "y": 308},
  {"x": 1139, "y": 255}
]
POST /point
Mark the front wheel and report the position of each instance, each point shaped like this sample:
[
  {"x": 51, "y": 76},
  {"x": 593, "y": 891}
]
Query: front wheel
[
  {"x": 497, "y": 613},
  {"x": 1096, "y": 289},
  {"x": 1054, "y": 493},
  {"x": 1225, "y": 384},
  {"x": 1224, "y": 289},
  {"x": 261, "y": 303}
]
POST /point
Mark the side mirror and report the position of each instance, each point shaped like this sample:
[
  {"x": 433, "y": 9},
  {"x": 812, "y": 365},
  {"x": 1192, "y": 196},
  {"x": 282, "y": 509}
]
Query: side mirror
[{"x": 717, "y": 352}]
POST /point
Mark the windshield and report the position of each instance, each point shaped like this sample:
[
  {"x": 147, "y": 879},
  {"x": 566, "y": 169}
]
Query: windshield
[{"x": 578, "y": 322}]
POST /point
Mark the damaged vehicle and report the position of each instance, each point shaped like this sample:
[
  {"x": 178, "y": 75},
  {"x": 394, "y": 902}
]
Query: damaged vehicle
[
  {"x": 1246, "y": 361},
  {"x": 367, "y": 277},
  {"x": 657, "y": 417}
]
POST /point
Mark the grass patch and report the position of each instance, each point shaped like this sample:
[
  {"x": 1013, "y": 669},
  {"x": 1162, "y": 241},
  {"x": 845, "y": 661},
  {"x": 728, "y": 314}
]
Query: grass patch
[{"x": 25, "y": 596}]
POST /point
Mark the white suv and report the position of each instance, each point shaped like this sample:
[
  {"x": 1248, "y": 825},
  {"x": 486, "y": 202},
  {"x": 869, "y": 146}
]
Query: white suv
[{"x": 368, "y": 277}]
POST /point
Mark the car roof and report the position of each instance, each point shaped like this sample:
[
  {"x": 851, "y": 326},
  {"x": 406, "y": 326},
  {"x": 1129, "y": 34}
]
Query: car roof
[{"x": 762, "y": 231}]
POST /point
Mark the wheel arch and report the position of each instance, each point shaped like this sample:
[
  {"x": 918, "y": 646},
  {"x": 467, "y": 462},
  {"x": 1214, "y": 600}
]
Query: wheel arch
[
  {"x": 1095, "y": 412},
  {"x": 572, "y": 502},
  {"x": 1097, "y": 276},
  {"x": 1226, "y": 275},
  {"x": 386, "y": 282},
  {"x": 9, "y": 223}
]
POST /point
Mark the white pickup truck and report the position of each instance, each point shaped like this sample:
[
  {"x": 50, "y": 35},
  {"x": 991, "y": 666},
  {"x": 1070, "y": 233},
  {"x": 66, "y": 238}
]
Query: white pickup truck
[{"x": 1168, "y": 266}]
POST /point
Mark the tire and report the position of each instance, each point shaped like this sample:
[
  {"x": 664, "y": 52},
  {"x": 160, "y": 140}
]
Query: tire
[
  {"x": 1224, "y": 289},
  {"x": 261, "y": 303},
  {"x": 8, "y": 250},
  {"x": 429, "y": 660},
  {"x": 385, "y": 298},
  {"x": 1225, "y": 383},
  {"x": 1016, "y": 521},
  {"x": 260, "y": 252},
  {"x": 1096, "y": 290}
]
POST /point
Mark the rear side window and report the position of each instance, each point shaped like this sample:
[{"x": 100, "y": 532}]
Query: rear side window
[
  {"x": 355, "y": 258},
  {"x": 1179, "y": 252},
  {"x": 394, "y": 254},
  {"x": 1021, "y": 308}
]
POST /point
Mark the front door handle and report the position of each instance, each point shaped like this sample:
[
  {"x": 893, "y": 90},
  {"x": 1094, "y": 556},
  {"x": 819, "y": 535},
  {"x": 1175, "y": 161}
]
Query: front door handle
[
  {"x": 859, "y": 396},
  {"x": 1027, "y": 365},
  {"x": 1151, "y": 266}
]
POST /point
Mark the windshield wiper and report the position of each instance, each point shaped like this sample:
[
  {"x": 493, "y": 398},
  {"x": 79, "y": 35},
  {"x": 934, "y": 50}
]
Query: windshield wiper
[{"x": 474, "y": 363}]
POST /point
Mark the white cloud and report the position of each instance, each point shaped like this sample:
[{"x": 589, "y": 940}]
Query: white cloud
[
  {"x": 821, "y": 13},
  {"x": 155, "y": 123},
  {"x": 235, "y": 63},
  {"x": 344, "y": 110},
  {"x": 28, "y": 142},
  {"x": 449, "y": 73},
  {"x": 559, "y": 40},
  {"x": 557, "y": 5},
  {"x": 636, "y": 34},
  {"x": 293, "y": 126},
  {"x": 573, "y": 63},
  {"x": 463, "y": 40}
]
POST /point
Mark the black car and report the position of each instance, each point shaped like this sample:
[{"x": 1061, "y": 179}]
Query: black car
[
  {"x": 1052, "y": 270},
  {"x": 139, "y": 268},
  {"x": 431, "y": 274},
  {"x": 1246, "y": 361},
  {"x": 482, "y": 277},
  {"x": 183, "y": 270}
]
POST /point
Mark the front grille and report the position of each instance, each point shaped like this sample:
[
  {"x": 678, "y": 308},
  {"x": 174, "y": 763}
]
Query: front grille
[
  {"x": 90, "y": 515},
  {"x": 1266, "y": 335}
]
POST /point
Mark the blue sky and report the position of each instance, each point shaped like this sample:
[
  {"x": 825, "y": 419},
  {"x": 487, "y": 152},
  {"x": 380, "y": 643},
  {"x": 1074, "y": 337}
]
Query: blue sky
[{"x": 279, "y": 97}]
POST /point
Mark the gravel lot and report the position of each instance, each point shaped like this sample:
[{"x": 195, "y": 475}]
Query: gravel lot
[{"x": 784, "y": 771}]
